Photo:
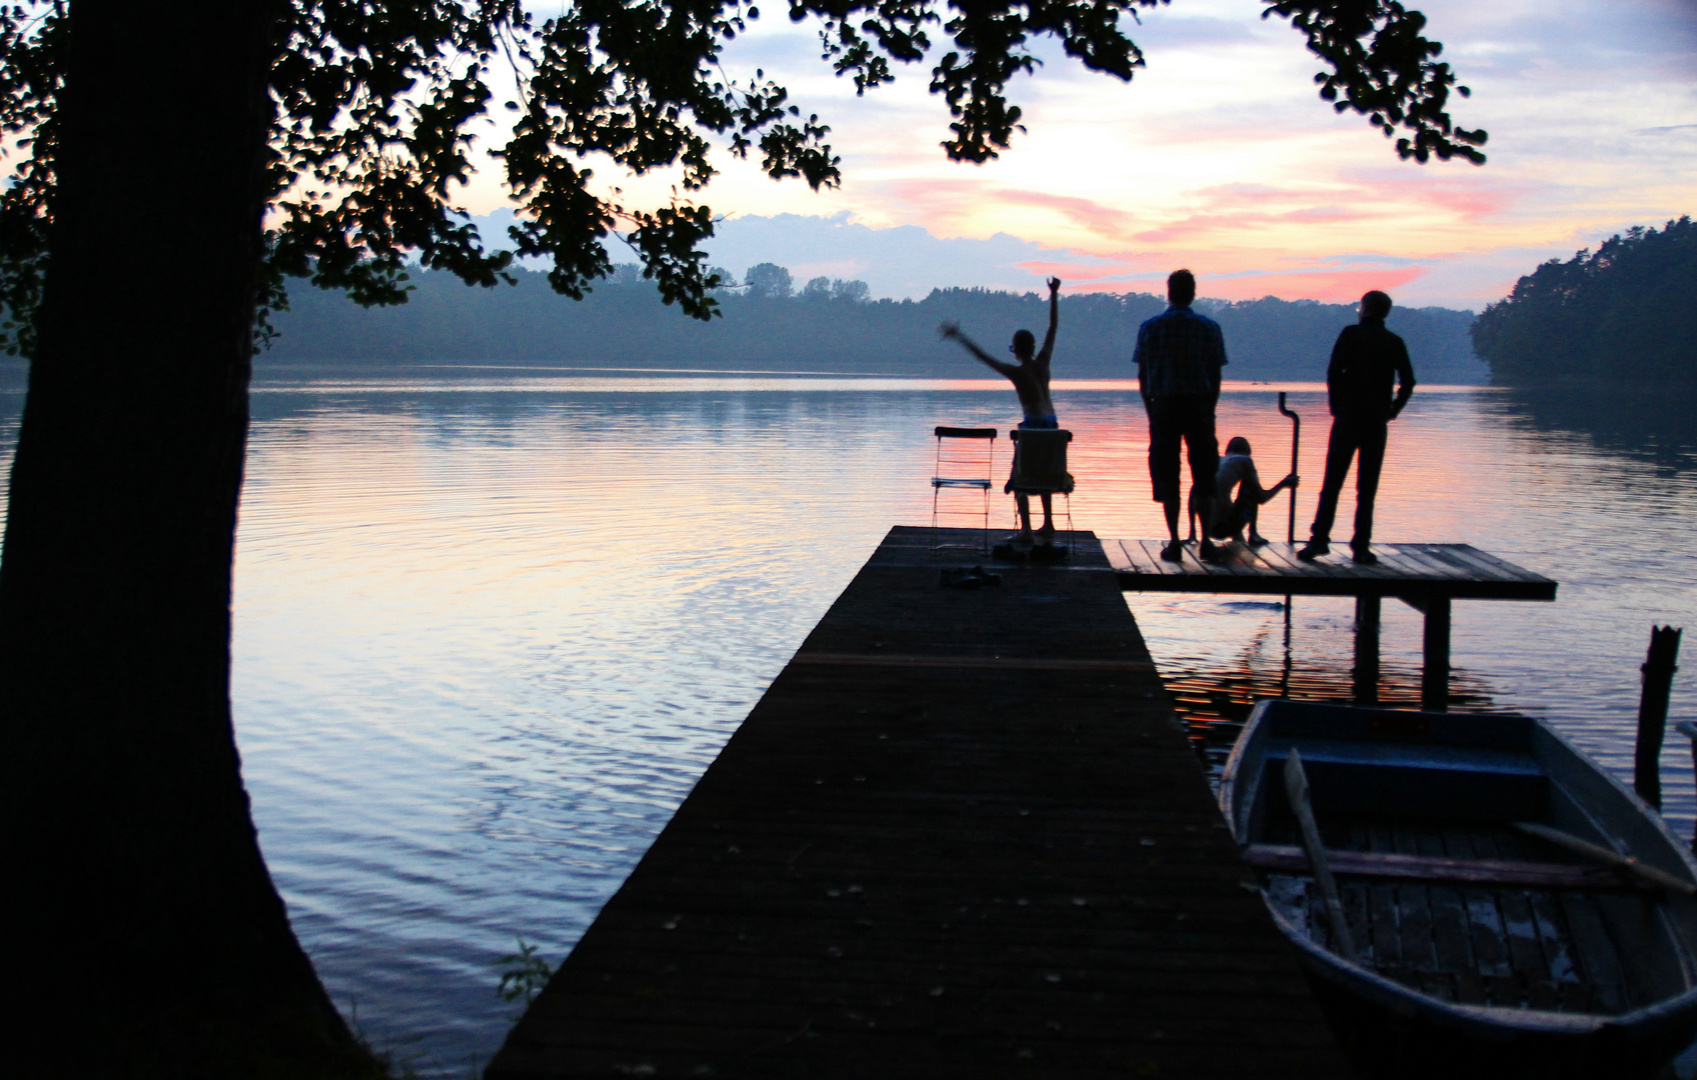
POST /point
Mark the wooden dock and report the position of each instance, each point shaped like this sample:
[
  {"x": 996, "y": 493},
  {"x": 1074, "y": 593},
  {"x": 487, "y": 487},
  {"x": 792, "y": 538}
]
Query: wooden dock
[
  {"x": 1427, "y": 577},
  {"x": 961, "y": 835}
]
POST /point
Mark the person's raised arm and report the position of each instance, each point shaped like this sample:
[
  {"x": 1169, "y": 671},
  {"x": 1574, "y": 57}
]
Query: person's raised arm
[
  {"x": 1405, "y": 381},
  {"x": 1048, "y": 348},
  {"x": 951, "y": 332}
]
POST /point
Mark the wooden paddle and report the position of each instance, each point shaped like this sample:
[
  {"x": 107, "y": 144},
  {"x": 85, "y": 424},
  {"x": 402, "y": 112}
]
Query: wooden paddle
[
  {"x": 1659, "y": 878},
  {"x": 1296, "y": 786}
]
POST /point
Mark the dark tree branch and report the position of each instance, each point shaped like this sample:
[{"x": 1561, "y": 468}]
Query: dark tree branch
[{"x": 376, "y": 103}]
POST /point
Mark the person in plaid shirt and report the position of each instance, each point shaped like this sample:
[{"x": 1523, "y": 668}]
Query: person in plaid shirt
[{"x": 1179, "y": 357}]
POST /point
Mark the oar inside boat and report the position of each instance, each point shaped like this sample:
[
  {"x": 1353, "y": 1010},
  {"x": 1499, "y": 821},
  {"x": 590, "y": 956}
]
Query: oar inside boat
[
  {"x": 1296, "y": 789},
  {"x": 1499, "y": 896}
]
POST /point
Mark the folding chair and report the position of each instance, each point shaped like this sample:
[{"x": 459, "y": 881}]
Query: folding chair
[
  {"x": 1040, "y": 468},
  {"x": 966, "y": 460}
]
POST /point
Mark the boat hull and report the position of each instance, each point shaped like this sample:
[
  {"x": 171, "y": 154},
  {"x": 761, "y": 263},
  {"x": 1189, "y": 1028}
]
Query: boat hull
[
  {"x": 1441, "y": 772},
  {"x": 1391, "y": 1034}
]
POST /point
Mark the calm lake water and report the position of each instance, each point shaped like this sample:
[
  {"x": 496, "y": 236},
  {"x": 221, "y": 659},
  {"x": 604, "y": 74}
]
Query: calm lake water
[{"x": 491, "y": 628}]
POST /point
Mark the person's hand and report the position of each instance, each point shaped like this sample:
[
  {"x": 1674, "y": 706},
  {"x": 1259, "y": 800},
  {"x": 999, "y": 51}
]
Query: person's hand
[
  {"x": 949, "y": 330},
  {"x": 1054, "y": 285},
  {"x": 1292, "y": 480}
]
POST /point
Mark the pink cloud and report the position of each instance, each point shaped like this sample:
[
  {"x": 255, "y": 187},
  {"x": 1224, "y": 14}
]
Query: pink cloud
[
  {"x": 938, "y": 201},
  {"x": 1139, "y": 260},
  {"x": 1196, "y": 223},
  {"x": 1336, "y": 286},
  {"x": 1099, "y": 219},
  {"x": 1324, "y": 213},
  {"x": 948, "y": 199},
  {"x": 1329, "y": 286},
  {"x": 1475, "y": 198},
  {"x": 1242, "y": 207},
  {"x": 1153, "y": 287}
]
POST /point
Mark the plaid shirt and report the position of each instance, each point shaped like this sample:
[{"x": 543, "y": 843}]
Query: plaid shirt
[{"x": 1179, "y": 352}]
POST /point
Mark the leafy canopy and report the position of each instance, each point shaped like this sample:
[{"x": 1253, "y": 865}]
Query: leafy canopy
[
  {"x": 1619, "y": 314},
  {"x": 375, "y": 101}
]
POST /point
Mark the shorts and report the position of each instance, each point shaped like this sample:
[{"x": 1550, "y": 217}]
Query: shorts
[
  {"x": 1030, "y": 423},
  {"x": 1190, "y": 417}
]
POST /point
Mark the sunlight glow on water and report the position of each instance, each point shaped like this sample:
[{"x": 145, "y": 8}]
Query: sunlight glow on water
[{"x": 489, "y": 631}]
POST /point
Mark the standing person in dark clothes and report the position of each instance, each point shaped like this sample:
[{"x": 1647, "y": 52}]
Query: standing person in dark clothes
[
  {"x": 1179, "y": 357},
  {"x": 1365, "y": 360}
]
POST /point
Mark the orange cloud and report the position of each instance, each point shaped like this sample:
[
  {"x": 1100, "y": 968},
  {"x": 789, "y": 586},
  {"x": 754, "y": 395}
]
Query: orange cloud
[
  {"x": 1328, "y": 286},
  {"x": 952, "y": 200},
  {"x": 1153, "y": 287},
  {"x": 1475, "y": 199},
  {"x": 1098, "y": 218}
]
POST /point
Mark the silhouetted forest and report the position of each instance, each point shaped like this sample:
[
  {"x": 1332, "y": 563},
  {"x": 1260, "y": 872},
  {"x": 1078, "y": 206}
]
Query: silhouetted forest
[
  {"x": 1624, "y": 313},
  {"x": 623, "y": 324}
]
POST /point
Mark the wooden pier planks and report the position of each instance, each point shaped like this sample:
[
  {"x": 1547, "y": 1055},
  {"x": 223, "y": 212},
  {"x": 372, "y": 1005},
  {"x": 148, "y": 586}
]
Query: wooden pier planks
[
  {"x": 1455, "y": 571},
  {"x": 1425, "y": 576},
  {"x": 962, "y": 834}
]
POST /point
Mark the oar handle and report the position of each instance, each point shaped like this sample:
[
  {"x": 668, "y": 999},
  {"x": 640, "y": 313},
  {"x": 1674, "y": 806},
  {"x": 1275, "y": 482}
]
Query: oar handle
[{"x": 1579, "y": 846}]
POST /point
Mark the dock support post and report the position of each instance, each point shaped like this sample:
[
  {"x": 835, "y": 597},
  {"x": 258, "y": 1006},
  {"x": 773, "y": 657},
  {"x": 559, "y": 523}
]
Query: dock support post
[
  {"x": 1435, "y": 679},
  {"x": 1658, "y": 670},
  {"x": 1367, "y": 650}
]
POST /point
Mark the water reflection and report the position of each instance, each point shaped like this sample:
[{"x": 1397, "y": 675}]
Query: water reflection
[
  {"x": 1656, "y": 424},
  {"x": 489, "y": 632},
  {"x": 1279, "y": 653}
]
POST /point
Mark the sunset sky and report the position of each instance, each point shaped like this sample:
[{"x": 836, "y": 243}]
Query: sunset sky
[{"x": 1220, "y": 156}]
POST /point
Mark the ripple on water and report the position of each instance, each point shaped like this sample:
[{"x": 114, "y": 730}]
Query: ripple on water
[{"x": 488, "y": 635}]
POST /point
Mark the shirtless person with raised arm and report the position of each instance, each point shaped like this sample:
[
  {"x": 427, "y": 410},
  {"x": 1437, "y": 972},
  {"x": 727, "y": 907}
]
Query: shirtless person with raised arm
[{"x": 1030, "y": 378}]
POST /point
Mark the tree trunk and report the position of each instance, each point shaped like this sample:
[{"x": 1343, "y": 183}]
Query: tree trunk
[{"x": 147, "y": 938}]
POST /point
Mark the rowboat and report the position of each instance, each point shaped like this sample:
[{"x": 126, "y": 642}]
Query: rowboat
[{"x": 1468, "y": 892}]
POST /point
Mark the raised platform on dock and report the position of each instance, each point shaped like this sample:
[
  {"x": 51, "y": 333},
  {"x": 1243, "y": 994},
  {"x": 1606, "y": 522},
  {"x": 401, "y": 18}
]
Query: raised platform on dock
[
  {"x": 1427, "y": 577},
  {"x": 961, "y": 835}
]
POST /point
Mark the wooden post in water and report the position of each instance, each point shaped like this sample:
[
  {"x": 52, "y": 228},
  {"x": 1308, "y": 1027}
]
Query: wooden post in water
[
  {"x": 1367, "y": 650},
  {"x": 1658, "y": 670},
  {"x": 1435, "y": 679}
]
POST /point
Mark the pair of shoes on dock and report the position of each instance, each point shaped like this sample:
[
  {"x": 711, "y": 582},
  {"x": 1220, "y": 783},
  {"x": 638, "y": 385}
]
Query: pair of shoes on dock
[
  {"x": 975, "y": 577},
  {"x": 1361, "y": 553},
  {"x": 1209, "y": 552},
  {"x": 1025, "y": 538}
]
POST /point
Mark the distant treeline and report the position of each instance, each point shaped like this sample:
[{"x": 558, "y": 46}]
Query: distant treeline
[
  {"x": 622, "y": 324},
  {"x": 1625, "y": 313}
]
